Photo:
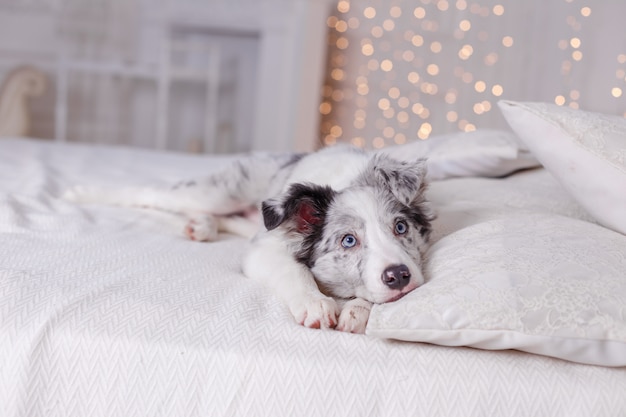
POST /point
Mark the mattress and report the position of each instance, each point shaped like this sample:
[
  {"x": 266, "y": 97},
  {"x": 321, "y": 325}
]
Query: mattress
[{"x": 108, "y": 311}]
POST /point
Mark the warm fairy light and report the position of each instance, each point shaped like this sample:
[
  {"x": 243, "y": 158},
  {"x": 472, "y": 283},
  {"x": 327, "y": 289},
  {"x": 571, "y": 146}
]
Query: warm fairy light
[
  {"x": 400, "y": 138},
  {"x": 507, "y": 41},
  {"x": 337, "y": 74},
  {"x": 386, "y": 65},
  {"x": 424, "y": 130},
  {"x": 369, "y": 12},
  {"x": 466, "y": 51},
  {"x": 358, "y": 124},
  {"x": 342, "y": 43},
  {"x": 498, "y": 10},
  {"x": 389, "y": 64},
  {"x": 417, "y": 40},
  {"x": 566, "y": 67},
  {"x": 403, "y": 117},
  {"x": 389, "y": 25},
  {"x": 388, "y": 132},
  {"x": 419, "y": 12},
  {"x": 353, "y": 23},
  {"x": 377, "y": 32},
  {"x": 616, "y": 92},
  {"x": 429, "y": 88},
  {"x": 336, "y": 131},
  {"x": 341, "y": 26},
  {"x": 417, "y": 108},
  {"x": 450, "y": 97},
  {"x": 413, "y": 77},
  {"x": 338, "y": 95},
  {"x": 436, "y": 47},
  {"x": 491, "y": 59},
  {"x": 432, "y": 69},
  {"x": 373, "y": 64},
  {"x": 467, "y": 77},
  {"x": 621, "y": 58},
  {"x": 378, "y": 142},
  {"x": 383, "y": 104},
  {"x": 367, "y": 49},
  {"x": 358, "y": 141}
]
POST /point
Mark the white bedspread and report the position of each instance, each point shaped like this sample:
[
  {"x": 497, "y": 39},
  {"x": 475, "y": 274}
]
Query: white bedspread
[{"x": 107, "y": 311}]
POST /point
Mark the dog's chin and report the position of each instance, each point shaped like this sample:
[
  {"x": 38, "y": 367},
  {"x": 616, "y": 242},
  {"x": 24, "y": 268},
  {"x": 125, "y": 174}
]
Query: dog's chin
[{"x": 398, "y": 295}]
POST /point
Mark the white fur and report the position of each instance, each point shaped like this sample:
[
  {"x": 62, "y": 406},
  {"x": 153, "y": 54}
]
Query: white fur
[{"x": 224, "y": 202}]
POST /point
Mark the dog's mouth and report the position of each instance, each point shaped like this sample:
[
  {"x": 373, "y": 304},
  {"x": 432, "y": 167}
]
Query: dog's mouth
[{"x": 397, "y": 297}]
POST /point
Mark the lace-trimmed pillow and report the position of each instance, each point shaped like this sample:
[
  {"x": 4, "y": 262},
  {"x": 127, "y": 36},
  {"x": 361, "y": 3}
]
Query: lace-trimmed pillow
[
  {"x": 585, "y": 151},
  {"x": 537, "y": 282}
]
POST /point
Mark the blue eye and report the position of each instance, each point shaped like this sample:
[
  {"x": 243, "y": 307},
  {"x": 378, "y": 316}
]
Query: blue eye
[
  {"x": 401, "y": 227},
  {"x": 348, "y": 241}
]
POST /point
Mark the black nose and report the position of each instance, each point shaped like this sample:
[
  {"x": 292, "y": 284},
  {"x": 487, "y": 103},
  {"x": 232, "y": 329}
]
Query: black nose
[{"x": 396, "y": 276}]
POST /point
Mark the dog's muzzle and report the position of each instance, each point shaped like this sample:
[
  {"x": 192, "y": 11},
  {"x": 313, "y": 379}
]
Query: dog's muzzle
[{"x": 396, "y": 277}]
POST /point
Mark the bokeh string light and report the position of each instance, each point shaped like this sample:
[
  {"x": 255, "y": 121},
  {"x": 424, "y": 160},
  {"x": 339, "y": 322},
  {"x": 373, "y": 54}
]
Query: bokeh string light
[{"x": 407, "y": 68}]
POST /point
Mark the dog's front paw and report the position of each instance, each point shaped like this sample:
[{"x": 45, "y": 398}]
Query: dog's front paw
[
  {"x": 316, "y": 313},
  {"x": 354, "y": 316},
  {"x": 202, "y": 229}
]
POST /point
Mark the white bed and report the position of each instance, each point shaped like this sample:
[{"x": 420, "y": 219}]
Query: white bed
[{"x": 107, "y": 311}]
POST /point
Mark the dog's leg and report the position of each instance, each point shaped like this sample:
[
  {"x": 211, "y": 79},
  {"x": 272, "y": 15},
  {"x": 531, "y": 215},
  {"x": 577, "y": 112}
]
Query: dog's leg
[
  {"x": 354, "y": 316},
  {"x": 269, "y": 262},
  {"x": 244, "y": 184}
]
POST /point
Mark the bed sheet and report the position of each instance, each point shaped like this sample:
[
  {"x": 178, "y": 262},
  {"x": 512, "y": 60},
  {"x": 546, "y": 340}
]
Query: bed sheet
[{"x": 108, "y": 311}]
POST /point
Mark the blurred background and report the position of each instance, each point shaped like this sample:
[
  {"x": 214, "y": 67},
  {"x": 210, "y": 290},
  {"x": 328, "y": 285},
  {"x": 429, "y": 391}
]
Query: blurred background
[{"x": 239, "y": 75}]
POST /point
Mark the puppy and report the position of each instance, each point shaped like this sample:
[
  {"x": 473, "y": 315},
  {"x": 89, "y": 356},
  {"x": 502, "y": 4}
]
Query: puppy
[{"x": 344, "y": 229}]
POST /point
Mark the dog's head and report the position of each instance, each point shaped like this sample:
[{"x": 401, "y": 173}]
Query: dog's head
[{"x": 366, "y": 240}]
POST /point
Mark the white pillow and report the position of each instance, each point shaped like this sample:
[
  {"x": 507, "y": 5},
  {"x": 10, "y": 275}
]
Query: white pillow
[
  {"x": 585, "y": 151},
  {"x": 482, "y": 153},
  {"x": 537, "y": 282}
]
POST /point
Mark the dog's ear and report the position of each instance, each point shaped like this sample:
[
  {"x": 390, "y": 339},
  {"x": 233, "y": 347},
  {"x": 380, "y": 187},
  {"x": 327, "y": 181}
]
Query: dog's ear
[
  {"x": 301, "y": 208},
  {"x": 405, "y": 180}
]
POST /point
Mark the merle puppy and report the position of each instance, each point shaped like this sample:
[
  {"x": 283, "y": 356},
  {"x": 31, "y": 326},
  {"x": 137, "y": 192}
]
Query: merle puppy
[{"x": 343, "y": 228}]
